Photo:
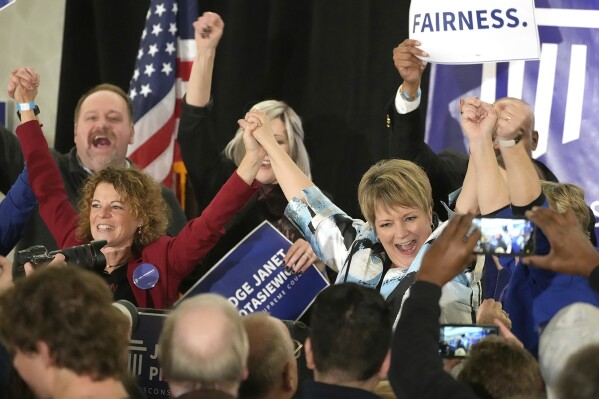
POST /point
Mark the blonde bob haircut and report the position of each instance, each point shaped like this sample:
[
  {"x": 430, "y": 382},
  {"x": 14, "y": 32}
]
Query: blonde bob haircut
[
  {"x": 274, "y": 109},
  {"x": 564, "y": 196},
  {"x": 393, "y": 183},
  {"x": 139, "y": 191}
]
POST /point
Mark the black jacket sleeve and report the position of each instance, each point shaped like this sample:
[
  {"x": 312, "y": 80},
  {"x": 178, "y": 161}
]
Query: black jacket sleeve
[
  {"x": 446, "y": 170},
  {"x": 200, "y": 148},
  {"x": 416, "y": 367}
]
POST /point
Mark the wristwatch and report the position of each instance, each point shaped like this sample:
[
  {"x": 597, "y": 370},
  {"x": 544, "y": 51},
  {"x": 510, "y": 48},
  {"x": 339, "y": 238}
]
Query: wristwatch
[{"x": 512, "y": 142}]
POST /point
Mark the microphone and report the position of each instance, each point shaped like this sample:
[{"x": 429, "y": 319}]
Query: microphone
[{"x": 130, "y": 311}]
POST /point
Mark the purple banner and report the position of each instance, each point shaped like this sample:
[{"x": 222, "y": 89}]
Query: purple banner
[{"x": 562, "y": 87}]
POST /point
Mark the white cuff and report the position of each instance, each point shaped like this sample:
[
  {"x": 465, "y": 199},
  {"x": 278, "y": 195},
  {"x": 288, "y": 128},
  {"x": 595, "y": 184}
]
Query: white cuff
[{"x": 402, "y": 106}]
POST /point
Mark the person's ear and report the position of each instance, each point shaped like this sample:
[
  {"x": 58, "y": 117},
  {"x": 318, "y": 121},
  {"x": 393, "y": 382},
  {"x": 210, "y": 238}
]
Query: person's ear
[
  {"x": 290, "y": 376},
  {"x": 44, "y": 351},
  {"x": 132, "y": 137},
  {"x": 309, "y": 355},
  {"x": 245, "y": 373},
  {"x": 534, "y": 140},
  {"x": 384, "y": 370}
]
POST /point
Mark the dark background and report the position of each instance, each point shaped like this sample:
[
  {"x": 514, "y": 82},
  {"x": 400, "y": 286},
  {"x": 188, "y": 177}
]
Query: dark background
[{"x": 331, "y": 60}]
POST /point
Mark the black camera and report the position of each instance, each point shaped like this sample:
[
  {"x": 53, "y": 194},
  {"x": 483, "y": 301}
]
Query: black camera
[{"x": 87, "y": 256}]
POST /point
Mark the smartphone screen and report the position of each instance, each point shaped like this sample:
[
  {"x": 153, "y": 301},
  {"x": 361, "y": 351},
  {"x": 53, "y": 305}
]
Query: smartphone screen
[
  {"x": 505, "y": 236},
  {"x": 455, "y": 340}
]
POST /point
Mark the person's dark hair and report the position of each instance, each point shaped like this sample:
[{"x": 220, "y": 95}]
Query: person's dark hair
[
  {"x": 350, "y": 331},
  {"x": 105, "y": 87},
  {"x": 498, "y": 368},
  {"x": 579, "y": 378},
  {"x": 70, "y": 310}
]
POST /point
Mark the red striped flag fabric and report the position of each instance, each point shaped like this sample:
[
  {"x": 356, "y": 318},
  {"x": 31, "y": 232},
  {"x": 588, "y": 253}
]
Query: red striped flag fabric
[{"x": 166, "y": 52}]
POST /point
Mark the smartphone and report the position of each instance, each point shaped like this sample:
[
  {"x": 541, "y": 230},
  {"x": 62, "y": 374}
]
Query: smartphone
[
  {"x": 455, "y": 340},
  {"x": 505, "y": 236}
]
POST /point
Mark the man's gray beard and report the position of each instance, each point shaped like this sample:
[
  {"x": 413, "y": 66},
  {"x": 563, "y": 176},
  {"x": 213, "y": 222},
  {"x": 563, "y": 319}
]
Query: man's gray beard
[{"x": 102, "y": 162}]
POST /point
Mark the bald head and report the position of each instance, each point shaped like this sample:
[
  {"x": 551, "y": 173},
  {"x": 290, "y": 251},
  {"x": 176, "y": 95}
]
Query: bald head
[
  {"x": 271, "y": 364},
  {"x": 203, "y": 343}
]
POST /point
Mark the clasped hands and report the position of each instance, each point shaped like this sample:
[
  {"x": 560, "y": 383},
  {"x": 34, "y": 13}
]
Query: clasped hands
[
  {"x": 503, "y": 119},
  {"x": 22, "y": 84}
]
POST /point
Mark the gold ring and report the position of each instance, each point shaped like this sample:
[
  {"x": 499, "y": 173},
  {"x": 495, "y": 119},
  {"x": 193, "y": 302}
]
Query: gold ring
[{"x": 507, "y": 118}]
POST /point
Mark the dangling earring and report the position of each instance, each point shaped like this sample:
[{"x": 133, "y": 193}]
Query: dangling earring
[{"x": 139, "y": 229}]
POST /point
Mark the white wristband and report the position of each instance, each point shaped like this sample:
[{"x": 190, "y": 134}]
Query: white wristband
[
  {"x": 510, "y": 143},
  {"x": 26, "y": 106}
]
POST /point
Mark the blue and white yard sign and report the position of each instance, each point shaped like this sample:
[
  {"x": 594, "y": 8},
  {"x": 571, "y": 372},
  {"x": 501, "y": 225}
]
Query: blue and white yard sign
[{"x": 252, "y": 277}]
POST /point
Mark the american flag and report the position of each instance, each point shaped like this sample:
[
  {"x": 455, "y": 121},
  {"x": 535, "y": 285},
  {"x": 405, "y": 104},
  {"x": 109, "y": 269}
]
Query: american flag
[{"x": 164, "y": 59}]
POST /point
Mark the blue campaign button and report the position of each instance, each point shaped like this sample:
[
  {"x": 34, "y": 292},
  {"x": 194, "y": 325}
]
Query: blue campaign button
[{"x": 145, "y": 276}]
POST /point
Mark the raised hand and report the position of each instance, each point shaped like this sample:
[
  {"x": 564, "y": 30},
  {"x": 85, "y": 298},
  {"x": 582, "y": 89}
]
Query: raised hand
[
  {"x": 258, "y": 123},
  {"x": 571, "y": 250},
  {"x": 513, "y": 118},
  {"x": 409, "y": 66},
  {"x": 490, "y": 310},
  {"x": 22, "y": 84},
  {"x": 208, "y": 31},
  {"x": 249, "y": 125},
  {"x": 478, "y": 119}
]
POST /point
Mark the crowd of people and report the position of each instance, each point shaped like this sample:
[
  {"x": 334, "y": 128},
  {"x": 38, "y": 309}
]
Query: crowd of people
[{"x": 396, "y": 277}]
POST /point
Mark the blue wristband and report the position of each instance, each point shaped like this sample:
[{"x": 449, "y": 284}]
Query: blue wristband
[
  {"x": 407, "y": 97},
  {"x": 26, "y": 106}
]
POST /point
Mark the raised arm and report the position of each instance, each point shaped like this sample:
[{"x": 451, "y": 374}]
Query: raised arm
[
  {"x": 200, "y": 144},
  {"x": 410, "y": 67},
  {"x": 523, "y": 181},
  {"x": 406, "y": 138},
  {"x": 289, "y": 176},
  {"x": 416, "y": 367},
  {"x": 208, "y": 31},
  {"x": 478, "y": 123},
  {"x": 201, "y": 234},
  {"x": 44, "y": 177},
  {"x": 467, "y": 201}
]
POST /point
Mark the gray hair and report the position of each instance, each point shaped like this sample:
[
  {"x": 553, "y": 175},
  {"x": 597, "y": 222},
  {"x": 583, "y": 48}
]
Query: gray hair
[{"x": 217, "y": 357}]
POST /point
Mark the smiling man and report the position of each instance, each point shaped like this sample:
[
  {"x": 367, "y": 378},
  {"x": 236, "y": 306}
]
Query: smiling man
[{"x": 103, "y": 131}]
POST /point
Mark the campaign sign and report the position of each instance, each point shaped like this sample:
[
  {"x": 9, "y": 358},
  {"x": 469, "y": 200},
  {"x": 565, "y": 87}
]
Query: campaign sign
[
  {"x": 5, "y": 3},
  {"x": 143, "y": 359},
  {"x": 252, "y": 277},
  {"x": 475, "y": 31}
]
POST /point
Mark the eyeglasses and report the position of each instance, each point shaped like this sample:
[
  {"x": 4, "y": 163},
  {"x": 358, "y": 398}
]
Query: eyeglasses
[{"x": 297, "y": 348}]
